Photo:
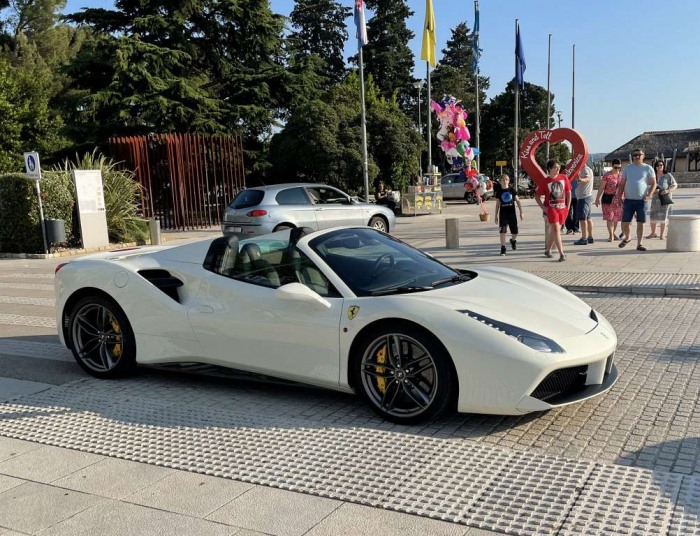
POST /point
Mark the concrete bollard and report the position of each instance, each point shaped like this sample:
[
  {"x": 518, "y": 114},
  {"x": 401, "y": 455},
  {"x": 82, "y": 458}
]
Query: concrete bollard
[
  {"x": 452, "y": 233},
  {"x": 154, "y": 229},
  {"x": 683, "y": 233}
]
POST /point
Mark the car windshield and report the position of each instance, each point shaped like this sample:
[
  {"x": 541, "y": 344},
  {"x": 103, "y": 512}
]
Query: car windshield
[
  {"x": 247, "y": 199},
  {"x": 372, "y": 263}
]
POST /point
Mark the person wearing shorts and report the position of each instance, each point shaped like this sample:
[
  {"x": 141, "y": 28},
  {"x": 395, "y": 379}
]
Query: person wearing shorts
[
  {"x": 506, "y": 199},
  {"x": 554, "y": 198},
  {"x": 584, "y": 205},
  {"x": 638, "y": 184}
]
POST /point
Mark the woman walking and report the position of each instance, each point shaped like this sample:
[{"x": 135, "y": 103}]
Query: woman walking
[
  {"x": 612, "y": 208},
  {"x": 665, "y": 184}
]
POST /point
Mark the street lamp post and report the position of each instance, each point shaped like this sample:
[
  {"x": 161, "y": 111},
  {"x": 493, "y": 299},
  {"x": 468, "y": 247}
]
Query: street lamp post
[
  {"x": 559, "y": 114},
  {"x": 419, "y": 86}
]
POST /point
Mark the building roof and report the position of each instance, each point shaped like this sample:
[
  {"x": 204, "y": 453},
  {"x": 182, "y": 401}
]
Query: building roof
[{"x": 658, "y": 143}]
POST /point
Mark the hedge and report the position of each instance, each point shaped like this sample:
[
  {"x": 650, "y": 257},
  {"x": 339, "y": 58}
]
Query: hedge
[{"x": 20, "y": 231}]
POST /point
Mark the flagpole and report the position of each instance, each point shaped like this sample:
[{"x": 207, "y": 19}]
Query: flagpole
[
  {"x": 476, "y": 84},
  {"x": 428, "y": 107},
  {"x": 549, "y": 94},
  {"x": 573, "y": 87},
  {"x": 362, "y": 41},
  {"x": 365, "y": 171},
  {"x": 428, "y": 54},
  {"x": 517, "y": 113}
]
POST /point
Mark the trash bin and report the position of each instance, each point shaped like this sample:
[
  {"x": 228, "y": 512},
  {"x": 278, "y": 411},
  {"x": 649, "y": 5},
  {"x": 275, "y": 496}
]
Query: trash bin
[{"x": 55, "y": 231}]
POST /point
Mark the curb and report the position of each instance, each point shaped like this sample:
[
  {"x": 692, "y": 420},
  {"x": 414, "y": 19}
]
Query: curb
[
  {"x": 672, "y": 292},
  {"x": 71, "y": 252}
]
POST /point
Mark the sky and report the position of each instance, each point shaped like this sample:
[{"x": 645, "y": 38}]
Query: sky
[{"x": 635, "y": 59}]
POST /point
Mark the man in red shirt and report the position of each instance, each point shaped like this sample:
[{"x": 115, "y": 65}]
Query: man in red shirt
[{"x": 554, "y": 198}]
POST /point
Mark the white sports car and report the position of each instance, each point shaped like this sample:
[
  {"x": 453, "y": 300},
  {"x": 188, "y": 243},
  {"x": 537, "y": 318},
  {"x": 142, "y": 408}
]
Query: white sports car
[{"x": 351, "y": 309}]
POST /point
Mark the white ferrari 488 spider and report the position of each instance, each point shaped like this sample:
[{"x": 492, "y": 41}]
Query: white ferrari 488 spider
[{"x": 351, "y": 309}]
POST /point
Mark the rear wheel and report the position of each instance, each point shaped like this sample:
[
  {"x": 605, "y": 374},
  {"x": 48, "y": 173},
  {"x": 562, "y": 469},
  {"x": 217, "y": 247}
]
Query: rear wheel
[
  {"x": 101, "y": 338},
  {"x": 379, "y": 223},
  {"x": 404, "y": 374}
]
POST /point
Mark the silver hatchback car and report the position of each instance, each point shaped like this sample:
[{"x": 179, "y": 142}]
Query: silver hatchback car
[{"x": 265, "y": 209}]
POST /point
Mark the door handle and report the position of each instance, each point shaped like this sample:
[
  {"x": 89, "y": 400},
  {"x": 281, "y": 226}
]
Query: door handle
[{"x": 205, "y": 309}]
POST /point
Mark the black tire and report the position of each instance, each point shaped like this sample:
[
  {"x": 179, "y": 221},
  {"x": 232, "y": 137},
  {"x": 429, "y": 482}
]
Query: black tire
[
  {"x": 470, "y": 197},
  {"x": 101, "y": 338},
  {"x": 378, "y": 223},
  {"x": 415, "y": 384}
]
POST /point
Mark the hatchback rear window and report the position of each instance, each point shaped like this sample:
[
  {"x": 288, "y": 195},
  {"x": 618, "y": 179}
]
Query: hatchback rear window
[{"x": 247, "y": 198}]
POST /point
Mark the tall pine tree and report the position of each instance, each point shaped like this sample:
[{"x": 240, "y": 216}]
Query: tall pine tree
[
  {"x": 319, "y": 28},
  {"x": 139, "y": 72},
  {"x": 387, "y": 57}
]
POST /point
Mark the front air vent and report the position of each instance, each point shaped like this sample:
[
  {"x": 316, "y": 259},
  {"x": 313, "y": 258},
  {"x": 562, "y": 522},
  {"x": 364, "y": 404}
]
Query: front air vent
[{"x": 164, "y": 281}]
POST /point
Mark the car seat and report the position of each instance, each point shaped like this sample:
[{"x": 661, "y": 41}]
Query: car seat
[
  {"x": 250, "y": 266},
  {"x": 221, "y": 256}
]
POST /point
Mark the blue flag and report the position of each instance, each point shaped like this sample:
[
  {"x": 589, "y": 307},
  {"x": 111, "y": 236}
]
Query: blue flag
[
  {"x": 519, "y": 59},
  {"x": 360, "y": 23},
  {"x": 476, "y": 51}
]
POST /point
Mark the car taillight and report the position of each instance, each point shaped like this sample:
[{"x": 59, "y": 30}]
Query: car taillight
[
  {"x": 256, "y": 213},
  {"x": 58, "y": 267}
]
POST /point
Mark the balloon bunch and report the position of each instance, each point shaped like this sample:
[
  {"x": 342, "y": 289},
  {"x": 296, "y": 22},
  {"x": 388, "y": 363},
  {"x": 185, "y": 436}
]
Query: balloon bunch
[{"x": 453, "y": 133}]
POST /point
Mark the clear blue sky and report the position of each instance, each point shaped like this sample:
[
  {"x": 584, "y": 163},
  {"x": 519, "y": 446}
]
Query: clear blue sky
[{"x": 636, "y": 66}]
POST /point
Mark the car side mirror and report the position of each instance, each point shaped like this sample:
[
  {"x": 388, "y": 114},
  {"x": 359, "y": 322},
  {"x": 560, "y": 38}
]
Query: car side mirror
[{"x": 296, "y": 292}]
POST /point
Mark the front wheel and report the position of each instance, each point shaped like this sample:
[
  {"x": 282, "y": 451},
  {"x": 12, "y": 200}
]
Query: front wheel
[
  {"x": 470, "y": 197},
  {"x": 378, "y": 223},
  {"x": 404, "y": 374},
  {"x": 101, "y": 338}
]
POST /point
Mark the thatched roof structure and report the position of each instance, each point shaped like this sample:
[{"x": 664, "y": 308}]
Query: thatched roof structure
[{"x": 660, "y": 143}]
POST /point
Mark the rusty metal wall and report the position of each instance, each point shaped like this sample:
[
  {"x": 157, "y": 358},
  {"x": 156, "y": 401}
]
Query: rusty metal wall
[{"x": 187, "y": 179}]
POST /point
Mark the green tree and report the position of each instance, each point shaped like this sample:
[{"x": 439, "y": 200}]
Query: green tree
[
  {"x": 139, "y": 72},
  {"x": 37, "y": 44},
  {"x": 12, "y": 108},
  {"x": 387, "y": 56},
  {"x": 319, "y": 28},
  {"x": 322, "y": 141}
]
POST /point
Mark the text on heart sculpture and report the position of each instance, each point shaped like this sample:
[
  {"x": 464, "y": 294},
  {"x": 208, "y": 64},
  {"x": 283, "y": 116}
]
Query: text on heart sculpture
[{"x": 528, "y": 150}]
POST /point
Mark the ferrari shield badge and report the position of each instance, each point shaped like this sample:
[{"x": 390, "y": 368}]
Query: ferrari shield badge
[{"x": 352, "y": 311}]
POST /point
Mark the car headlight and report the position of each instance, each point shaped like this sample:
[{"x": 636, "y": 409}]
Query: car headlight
[{"x": 528, "y": 338}]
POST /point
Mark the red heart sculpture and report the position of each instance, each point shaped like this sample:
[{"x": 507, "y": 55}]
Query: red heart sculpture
[{"x": 579, "y": 150}]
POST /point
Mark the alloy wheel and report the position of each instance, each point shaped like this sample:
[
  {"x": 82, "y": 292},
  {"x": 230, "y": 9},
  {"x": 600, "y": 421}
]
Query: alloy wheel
[
  {"x": 399, "y": 375},
  {"x": 97, "y": 337}
]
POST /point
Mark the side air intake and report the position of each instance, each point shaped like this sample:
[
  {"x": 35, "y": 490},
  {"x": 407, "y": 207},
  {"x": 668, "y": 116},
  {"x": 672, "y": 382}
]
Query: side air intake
[{"x": 164, "y": 281}]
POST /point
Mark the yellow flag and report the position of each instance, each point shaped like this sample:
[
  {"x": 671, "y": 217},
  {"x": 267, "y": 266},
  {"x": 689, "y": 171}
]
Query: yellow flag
[{"x": 428, "y": 48}]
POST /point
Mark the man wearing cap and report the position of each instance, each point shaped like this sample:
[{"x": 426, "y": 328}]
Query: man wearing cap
[{"x": 584, "y": 202}]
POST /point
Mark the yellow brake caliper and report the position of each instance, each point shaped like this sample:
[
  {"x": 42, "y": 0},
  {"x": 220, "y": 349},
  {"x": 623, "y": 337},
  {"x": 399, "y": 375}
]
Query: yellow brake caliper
[
  {"x": 381, "y": 358},
  {"x": 117, "y": 350}
]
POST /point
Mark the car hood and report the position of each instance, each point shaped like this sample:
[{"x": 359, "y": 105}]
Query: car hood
[{"x": 519, "y": 299}]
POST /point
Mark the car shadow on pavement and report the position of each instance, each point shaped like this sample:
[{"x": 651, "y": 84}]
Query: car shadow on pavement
[{"x": 674, "y": 478}]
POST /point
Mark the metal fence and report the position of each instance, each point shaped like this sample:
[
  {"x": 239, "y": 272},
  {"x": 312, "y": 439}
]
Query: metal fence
[{"x": 187, "y": 179}]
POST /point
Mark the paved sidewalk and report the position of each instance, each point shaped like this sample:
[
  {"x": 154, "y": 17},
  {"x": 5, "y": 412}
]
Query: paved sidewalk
[{"x": 97, "y": 487}]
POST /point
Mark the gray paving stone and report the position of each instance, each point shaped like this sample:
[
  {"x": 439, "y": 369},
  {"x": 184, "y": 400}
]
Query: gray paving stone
[
  {"x": 9, "y": 448},
  {"x": 31, "y": 507},
  {"x": 113, "y": 518},
  {"x": 357, "y": 520},
  {"x": 47, "y": 464},
  {"x": 113, "y": 478},
  {"x": 277, "y": 512},
  {"x": 7, "y": 482},
  {"x": 189, "y": 493}
]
